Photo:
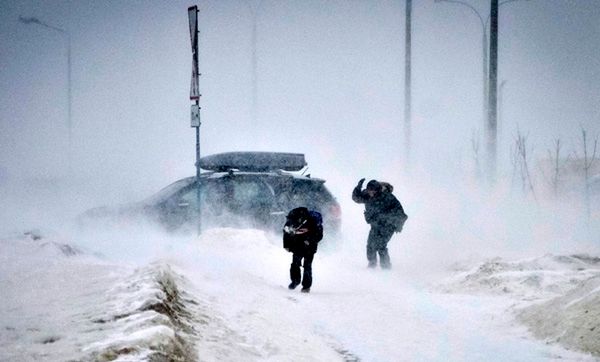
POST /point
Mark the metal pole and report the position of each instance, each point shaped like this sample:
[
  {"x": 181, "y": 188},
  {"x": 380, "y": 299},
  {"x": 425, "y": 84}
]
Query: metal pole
[
  {"x": 489, "y": 114},
  {"x": 198, "y": 198},
  {"x": 195, "y": 96},
  {"x": 484, "y": 42},
  {"x": 493, "y": 88},
  {"x": 254, "y": 69},
  {"x": 69, "y": 119},
  {"x": 407, "y": 81},
  {"x": 484, "y": 56},
  {"x": 254, "y": 11},
  {"x": 198, "y": 193},
  {"x": 67, "y": 34}
]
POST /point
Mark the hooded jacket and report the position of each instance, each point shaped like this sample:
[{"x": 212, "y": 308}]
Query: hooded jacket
[{"x": 383, "y": 209}]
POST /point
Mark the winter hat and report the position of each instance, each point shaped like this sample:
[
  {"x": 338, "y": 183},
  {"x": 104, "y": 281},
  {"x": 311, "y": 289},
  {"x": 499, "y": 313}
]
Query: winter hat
[{"x": 374, "y": 185}]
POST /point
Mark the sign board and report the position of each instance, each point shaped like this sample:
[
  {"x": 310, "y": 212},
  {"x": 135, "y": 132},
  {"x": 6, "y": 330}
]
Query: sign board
[
  {"x": 195, "y": 115},
  {"x": 193, "y": 20}
]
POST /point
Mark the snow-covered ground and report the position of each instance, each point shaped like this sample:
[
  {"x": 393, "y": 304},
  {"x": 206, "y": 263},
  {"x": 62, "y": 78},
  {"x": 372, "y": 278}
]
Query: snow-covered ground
[
  {"x": 556, "y": 296},
  {"x": 223, "y": 297}
]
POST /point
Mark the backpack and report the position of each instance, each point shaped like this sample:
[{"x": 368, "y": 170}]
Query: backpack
[
  {"x": 399, "y": 217},
  {"x": 318, "y": 218}
]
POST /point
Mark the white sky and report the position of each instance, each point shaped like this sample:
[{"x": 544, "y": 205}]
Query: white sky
[{"x": 330, "y": 83}]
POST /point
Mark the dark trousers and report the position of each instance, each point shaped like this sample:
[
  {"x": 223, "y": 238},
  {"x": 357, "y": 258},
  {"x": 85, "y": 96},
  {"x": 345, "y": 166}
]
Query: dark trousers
[
  {"x": 377, "y": 244},
  {"x": 295, "y": 268}
]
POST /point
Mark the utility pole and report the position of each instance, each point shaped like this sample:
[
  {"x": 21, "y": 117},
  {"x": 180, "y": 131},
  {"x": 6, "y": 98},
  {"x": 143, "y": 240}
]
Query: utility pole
[
  {"x": 493, "y": 89},
  {"x": 407, "y": 81}
]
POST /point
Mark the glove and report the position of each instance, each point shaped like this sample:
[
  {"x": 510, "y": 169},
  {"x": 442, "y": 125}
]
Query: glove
[{"x": 360, "y": 183}]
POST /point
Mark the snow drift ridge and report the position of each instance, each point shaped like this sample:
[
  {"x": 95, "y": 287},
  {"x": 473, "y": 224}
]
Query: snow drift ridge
[{"x": 153, "y": 320}]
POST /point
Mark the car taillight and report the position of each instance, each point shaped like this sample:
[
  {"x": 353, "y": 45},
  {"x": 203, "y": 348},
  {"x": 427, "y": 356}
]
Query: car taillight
[{"x": 335, "y": 211}]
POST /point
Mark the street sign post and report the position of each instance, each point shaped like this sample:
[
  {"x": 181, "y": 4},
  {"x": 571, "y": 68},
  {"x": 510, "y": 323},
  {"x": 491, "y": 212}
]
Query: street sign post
[{"x": 195, "y": 97}]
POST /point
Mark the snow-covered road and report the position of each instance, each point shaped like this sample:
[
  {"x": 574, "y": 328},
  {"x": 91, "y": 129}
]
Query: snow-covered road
[
  {"x": 358, "y": 313},
  {"x": 223, "y": 297}
]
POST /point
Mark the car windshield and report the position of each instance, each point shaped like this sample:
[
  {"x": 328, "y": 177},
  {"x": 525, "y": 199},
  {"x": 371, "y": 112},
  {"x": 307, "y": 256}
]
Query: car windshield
[
  {"x": 168, "y": 191},
  {"x": 234, "y": 193}
]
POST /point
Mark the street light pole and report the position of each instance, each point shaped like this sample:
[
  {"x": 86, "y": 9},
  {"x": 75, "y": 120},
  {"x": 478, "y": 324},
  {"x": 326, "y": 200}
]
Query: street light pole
[
  {"x": 484, "y": 43},
  {"x": 254, "y": 70},
  {"x": 254, "y": 13},
  {"x": 33, "y": 20},
  {"x": 486, "y": 86},
  {"x": 70, "y": 102},
  {"x": 407, "y": 81},
  {"x": 492, "y": 129},
  {"x": 489, "y": 100}
]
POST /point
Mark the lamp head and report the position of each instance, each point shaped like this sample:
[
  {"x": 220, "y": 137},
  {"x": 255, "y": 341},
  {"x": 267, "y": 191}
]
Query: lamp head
[{"x": 30, "y": 20}]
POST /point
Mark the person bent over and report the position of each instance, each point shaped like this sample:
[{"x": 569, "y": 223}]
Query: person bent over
[{"x": 301, "y": 235}]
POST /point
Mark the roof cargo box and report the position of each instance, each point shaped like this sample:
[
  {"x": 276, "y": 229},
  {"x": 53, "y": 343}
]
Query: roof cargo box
[{"x": 253, "y": 161}]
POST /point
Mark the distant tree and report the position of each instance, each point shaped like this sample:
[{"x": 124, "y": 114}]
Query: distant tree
[
  {"x": 557, "y": 165},
  {"x": 588, "y": 161},
  {"x": 521, "y": 165}
]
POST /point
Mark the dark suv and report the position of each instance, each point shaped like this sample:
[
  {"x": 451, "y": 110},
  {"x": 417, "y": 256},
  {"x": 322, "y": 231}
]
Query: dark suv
[{"x": 241, "y": 190}]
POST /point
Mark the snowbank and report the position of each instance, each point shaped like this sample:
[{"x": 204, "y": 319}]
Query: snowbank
[
  {"x": 572, "y": 320},
  {"x": 148, "y": 317},
  {"x": 49, "y": 293},
  {"x": 556, "y": 297},
  {"x": 60, "y": 304}
]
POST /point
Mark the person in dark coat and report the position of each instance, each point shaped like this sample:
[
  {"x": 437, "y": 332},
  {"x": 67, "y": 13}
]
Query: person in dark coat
[
  {"x": 301, "y": 235},
  {"x": 384, "y": 213}
]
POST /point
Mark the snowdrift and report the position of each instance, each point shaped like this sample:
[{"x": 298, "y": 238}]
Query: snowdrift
[
  {"x": 58, "y": 303},
  {"x": 556, "y": 297},
  {"x": 572, "y": 320}
]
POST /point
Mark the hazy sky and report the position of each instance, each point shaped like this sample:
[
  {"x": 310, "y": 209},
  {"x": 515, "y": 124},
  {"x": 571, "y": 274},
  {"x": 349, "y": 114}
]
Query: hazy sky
[{"x": 330, "y": 78}]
